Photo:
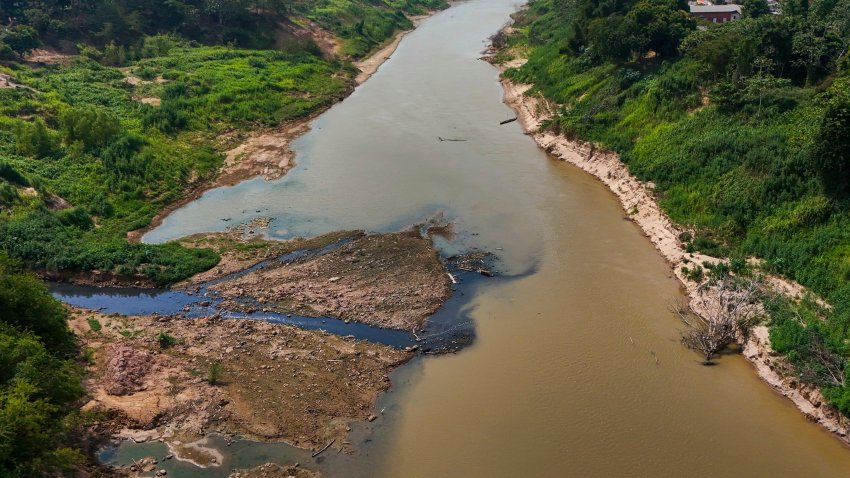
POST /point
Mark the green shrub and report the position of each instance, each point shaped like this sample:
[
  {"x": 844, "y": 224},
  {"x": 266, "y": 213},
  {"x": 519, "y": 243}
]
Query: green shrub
[
  {"x": 166, "y": 341},
  {"x": 39, "y": 380},
  {"x": 94, "y": 324},
  {"x": 214, "y": 373}
]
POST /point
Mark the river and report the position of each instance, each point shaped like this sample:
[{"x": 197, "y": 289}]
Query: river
[{"x": 577, "y": 369}]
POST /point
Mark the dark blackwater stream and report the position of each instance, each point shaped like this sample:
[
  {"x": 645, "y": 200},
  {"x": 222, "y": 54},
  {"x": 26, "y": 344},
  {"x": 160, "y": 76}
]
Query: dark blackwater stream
[{"x": 562, "y": 379}]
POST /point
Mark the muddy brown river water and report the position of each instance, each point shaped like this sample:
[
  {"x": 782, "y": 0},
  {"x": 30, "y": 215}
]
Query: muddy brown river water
[{"x": 577, "y": 369}]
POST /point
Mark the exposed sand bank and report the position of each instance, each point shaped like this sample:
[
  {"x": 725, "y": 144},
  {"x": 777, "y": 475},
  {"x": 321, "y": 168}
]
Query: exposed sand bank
[
  {"x": 638, "y": 200},
  {"x": 274, "y": 383},
  {"x": 394, "y": 280},
  {"x": 267, "y": 153},
  {"x": 369, "y": 66},
  {"x": 151, "y": 375}
]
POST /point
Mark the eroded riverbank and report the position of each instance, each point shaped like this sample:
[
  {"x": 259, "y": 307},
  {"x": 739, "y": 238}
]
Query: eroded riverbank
[{"x": 638, "y": 201}]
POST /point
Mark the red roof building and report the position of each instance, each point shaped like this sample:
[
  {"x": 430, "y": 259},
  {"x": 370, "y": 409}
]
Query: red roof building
[{"x": 717, "y": 13}]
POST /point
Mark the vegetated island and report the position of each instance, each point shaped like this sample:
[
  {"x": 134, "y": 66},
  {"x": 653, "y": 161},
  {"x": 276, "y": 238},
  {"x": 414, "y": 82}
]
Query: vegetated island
[
  {"x": 728, "y": 145},
  {"x": 110, "y": 114}
]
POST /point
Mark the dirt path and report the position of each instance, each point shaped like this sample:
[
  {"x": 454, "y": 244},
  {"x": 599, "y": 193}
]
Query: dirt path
[{"x": 638, "y": 200}]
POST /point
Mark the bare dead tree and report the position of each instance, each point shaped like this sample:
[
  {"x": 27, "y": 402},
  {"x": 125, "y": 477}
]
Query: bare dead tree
[
  {"x": 825, "y": 367},
  {"x": 499, "y": 40},
  {"x": 723, "y": 311}
]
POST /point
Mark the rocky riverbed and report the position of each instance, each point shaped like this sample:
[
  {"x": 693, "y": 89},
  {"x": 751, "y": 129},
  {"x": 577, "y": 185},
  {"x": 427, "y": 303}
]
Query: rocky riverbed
[{"x": 394, "y": 280}]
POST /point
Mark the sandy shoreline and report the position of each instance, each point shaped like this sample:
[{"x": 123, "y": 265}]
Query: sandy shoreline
[
  {"x": 369, "y": 66},
  {"x": 267, "y": 153},
  {"x": 637, "y": 199}
]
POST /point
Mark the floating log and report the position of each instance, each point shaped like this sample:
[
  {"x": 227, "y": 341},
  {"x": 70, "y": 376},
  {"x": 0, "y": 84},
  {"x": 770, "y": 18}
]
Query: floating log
[
  {"x": 314, "y": 455},
  {"x": 508, "y": 120},
  {"x": 449, "y": 139}
]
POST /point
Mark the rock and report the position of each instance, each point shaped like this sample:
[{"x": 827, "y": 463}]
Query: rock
[
  {"x": 125, "y": 370},
  {"x": 161, "y": 473}
]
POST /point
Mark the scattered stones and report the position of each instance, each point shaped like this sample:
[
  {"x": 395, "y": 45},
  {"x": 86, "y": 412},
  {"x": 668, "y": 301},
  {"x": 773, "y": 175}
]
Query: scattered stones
[
  {"x": 397, "y": 282},
  {"x": 280, "y": 383},
  {"x": 125, "y": 370},
  {"x": 475, "y": 261}
]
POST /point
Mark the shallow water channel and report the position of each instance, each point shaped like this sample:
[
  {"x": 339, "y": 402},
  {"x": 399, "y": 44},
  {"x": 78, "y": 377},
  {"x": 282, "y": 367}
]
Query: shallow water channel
[{"x": 577, "y": 369}]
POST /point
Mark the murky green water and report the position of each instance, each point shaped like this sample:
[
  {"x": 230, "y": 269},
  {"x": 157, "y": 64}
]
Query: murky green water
[{"x": 577, "y": 369}]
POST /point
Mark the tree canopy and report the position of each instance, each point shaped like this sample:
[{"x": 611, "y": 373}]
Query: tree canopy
[{"x": 39, "y": 379}]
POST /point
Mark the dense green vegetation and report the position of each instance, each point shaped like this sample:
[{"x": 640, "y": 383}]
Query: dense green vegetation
[
  {"x": 119, "y": 161},
  {"x": 39, "y": 380},
  {"x": 265, "y": 24},
  {"x": 95, "y": 148},
  {"x": 744, "y": 127}
]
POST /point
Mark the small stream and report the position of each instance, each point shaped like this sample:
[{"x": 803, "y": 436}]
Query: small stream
[{"x": 450, "y": 329}]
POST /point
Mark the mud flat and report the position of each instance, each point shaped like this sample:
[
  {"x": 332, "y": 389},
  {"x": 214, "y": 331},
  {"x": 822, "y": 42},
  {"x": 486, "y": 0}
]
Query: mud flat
[
  {"x": 178, "y": 380},
  {"x": 271, "y": 470},
  {"x": 638, "y": 200},
  {"x": 181, "y": 379},
  {"x": 393, "y": 280}
]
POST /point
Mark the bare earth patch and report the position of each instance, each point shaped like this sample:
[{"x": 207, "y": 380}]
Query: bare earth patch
[
  {"x": 6, "y": 81},
  {"x": 274, "y": 383},
  {"x": 153, "y": 101},
  {"x": 48, "y": 56},
  {"x": 271, "y": 470},
  {"x": 392, "y": 280}
]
